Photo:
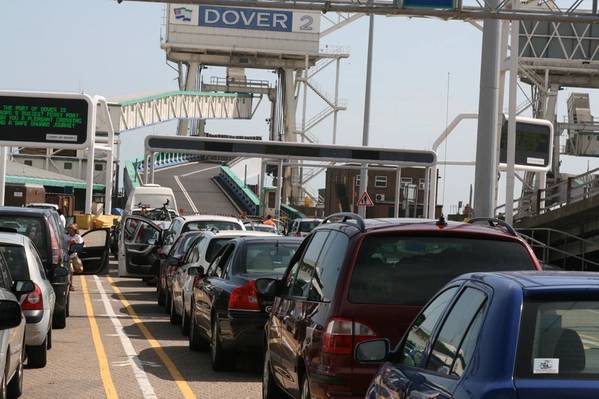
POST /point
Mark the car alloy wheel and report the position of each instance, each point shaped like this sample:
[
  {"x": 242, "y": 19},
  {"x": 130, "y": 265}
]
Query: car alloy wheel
[{"x": 14, "y": 389}]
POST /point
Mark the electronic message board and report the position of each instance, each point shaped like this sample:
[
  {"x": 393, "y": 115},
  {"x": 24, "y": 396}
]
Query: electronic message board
[
  {"x": 35, "y": 119},
  {"x": 534, "y": 144}
]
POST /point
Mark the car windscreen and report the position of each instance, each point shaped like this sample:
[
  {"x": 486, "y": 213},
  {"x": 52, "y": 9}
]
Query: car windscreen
[
  {"x": 559, "y": 338},
  {"x": 270, "y": 258},
  {"x": 16, "y": 259},
  {"x": 403, "y": 270},
  {"x": 306, "y": 227},
  {"x": 215, "y": 245},
  {"x": 210, "y": 224},
  {"x": 31, "y": 227},
  {"x": 182, "y": 245}
]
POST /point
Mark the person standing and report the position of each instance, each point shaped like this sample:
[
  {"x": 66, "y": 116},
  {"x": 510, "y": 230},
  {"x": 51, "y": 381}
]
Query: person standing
[{"x": 63, "y": 220}]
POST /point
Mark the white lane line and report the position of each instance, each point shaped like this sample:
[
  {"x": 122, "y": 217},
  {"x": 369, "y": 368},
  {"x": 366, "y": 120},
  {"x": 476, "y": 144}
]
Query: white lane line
[
  {"x": 133, "y": 360},
  {"x": 199, "y": 171},
  {"x": 174, "y": 167},
  {"x": 186, "y": 194}
]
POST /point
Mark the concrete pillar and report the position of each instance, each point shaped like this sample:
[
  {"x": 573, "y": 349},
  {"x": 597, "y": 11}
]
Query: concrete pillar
[{"x": 291, "y": 186}]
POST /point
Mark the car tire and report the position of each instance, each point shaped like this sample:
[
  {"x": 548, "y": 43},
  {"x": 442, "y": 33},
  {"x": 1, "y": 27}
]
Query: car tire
[
  {"x": 14, "y": 389},
  {"x": 160, "y": 295},
  {"x": 220, "y": 359},
  {"x": 59, "y": 321},
  {"x": 167, "y": 302},
  {"x": 270, "y": 389},
  {"x": 196, "y": 341},
  {"x": 305, "y": 388},
  {"x": 175, "y": 318},
  {"x": 49, "y": 339},
  {"x": 37, "y": 356},
  {"x": 185, "y": 323}
]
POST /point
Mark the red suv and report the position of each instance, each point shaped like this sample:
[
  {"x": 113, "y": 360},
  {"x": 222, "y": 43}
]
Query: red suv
[{"x": 353, "y": 280}]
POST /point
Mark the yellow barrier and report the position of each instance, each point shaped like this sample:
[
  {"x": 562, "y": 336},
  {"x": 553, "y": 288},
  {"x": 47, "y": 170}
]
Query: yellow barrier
[
  {"x": 88, "y": 222},
  {"x": 84, "y": 221}
]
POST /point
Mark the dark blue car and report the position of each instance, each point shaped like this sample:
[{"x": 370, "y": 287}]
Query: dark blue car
[{"x": 520, "y": 335}]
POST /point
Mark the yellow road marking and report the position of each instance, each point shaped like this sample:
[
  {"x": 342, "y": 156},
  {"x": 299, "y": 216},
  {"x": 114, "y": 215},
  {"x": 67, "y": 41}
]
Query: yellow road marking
[
  {"x": 96, "y": 337},
  {"x": 170, "y": 365}
]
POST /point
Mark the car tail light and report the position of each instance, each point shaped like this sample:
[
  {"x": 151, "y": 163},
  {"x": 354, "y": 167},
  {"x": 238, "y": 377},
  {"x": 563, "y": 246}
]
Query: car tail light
[
  {"x": 342, "y": 335},
  {"x": 244, "y": 298},
  {"x": 33, "y": 300},
  {"x": 55, "y": 248}
]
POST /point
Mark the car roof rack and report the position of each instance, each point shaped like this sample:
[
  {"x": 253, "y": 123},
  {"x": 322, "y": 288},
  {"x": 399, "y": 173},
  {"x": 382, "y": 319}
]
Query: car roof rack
[
  {"x": 494, "y": 222},
  {"x": 345, "y": 216}
]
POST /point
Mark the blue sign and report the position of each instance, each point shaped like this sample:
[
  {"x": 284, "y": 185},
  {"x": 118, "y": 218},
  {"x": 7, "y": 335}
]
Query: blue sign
[
  {"x": 246, "y": 18},
  {"x": 434, "y": 4}
]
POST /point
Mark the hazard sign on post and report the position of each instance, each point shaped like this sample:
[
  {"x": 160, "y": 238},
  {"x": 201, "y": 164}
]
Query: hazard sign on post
[{"x": 365, "y": 200}]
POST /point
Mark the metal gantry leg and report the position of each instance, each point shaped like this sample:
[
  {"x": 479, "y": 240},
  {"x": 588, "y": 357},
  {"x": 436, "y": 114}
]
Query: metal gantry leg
[
  {"x": 89, "y": 180},
  {"x": 3, "y": 160},
  {"x": 397, "y": 193},
  {"x": 279, "y": 190}
]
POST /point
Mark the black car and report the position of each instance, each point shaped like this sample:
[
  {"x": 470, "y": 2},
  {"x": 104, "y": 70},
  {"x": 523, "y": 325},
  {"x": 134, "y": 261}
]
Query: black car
[
  {"x": 39, "y": 225},
  {"x": 226, "y": 315},
  {"x": 168, "y": 266}
]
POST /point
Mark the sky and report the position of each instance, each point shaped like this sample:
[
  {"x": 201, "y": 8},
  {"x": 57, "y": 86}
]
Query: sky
[{"x": 113, "y": 50}]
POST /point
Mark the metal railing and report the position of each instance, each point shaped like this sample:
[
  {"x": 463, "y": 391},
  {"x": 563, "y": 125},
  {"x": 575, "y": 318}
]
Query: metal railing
[{"x": 559, "y": 248}]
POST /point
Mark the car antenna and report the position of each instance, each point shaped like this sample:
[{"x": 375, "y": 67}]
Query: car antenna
[{"x": 441, "y": 221}]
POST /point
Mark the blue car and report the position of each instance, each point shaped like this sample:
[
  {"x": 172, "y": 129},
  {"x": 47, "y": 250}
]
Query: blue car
[{"x": 520, "y": 335}]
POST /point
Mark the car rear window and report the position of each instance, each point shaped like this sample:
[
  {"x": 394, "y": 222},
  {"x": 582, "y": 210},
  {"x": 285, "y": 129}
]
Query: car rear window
[
  {"x": 401, "y": 270},
  {"x": 306, "y": 227},
  {"x": 209, "y": 225},
  {"x": 32, "y": 227},
  {"x": 559, "y": 339},
  {"x": 17, "y": 261},
  {"x": 270, "y": 258}
]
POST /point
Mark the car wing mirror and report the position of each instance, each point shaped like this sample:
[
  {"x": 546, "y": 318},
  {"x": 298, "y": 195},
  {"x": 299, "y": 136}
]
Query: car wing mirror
[
  {"x": 21, "y": 287},
  {"x": 372, "y": 351},
  {"x": 268, "y": 287},
  {"x": 10, "y": 314}
]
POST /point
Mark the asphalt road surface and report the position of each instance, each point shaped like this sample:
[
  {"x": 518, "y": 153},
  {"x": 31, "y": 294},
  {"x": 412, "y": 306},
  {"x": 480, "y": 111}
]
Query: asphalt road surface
[{"x": 119, "y": 344}]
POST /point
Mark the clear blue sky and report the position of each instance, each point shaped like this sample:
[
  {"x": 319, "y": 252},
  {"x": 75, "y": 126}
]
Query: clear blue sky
[{"x": 111, "y": 49}]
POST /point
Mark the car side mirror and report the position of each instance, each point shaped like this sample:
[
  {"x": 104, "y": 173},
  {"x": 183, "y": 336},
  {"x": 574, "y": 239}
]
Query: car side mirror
[
  {"x": 173, "y": 261},
  {"x": 196, "y": 271},
  {"x": 20, "y": 287},
  {"x": 10, "y": 314},
  {"x": 268, "y": 287},
  {"x": 372, "y": 351}
]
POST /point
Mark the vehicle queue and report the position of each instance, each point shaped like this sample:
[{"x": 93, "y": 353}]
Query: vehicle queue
[{"x": 355, "y": 308}]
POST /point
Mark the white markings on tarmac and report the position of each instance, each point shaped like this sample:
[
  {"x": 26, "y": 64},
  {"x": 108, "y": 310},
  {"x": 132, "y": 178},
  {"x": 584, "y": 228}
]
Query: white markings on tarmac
[
  {"x": 199, "y": 171},
  {"x": 186, "y": 194},
  {"x": 133, "y": 360}
]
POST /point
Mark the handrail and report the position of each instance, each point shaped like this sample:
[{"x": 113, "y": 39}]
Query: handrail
[
  {"x": 534, "y": 242},
  {"x": 345, "y": 216},
  {"x": 565, "y": 233}
]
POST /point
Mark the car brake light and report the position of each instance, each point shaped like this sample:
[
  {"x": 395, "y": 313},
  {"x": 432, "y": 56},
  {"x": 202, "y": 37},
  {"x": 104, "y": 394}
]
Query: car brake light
[
  {"x": 55, "y": 248},
  {"x": 244, "y": 298},
  {"x": 33, "y": 300},
  {"x": 342, "y": 335}
]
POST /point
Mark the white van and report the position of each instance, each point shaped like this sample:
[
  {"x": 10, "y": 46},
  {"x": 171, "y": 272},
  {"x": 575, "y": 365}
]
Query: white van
[{"x": 151, "y": 196}]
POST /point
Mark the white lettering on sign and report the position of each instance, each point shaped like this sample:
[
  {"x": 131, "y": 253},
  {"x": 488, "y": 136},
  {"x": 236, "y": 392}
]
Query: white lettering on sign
[
  {"x": 281, "y": 20},
  {"x": 212, "y": 16},
  {"x": 230, "y": 17}
]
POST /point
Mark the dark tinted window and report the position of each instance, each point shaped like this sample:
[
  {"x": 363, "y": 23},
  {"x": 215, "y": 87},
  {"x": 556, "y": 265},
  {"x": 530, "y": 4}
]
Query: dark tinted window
[
  {"x": 306, "y": 227},
  {"x": 452, "y": 334},
  {"x": 214, "y": 247},
  {"x": 302, "y": 285},
  {"x": 182, "y": 245},
  {"x": 414, "y": 349},
  {"x": 32, "y": 227},
  {"x": 270, "y": 258},
  {"x": 408, "y": 270},
  {"x": 17, "y": 261},
  {"x": 559, "y": 338},
  {"x": 209, "y": 225},
  {"x": 329, "y": 265},
  {"x": 5, "y": 278}
]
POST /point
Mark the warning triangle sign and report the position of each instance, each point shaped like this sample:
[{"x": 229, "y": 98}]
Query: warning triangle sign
[{"x": 365, "y": 200}]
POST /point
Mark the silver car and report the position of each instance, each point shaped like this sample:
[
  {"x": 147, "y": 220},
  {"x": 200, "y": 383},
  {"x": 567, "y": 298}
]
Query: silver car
[
  {"x": 12, "y": 332},
  {"x": 24, "y": 264}
]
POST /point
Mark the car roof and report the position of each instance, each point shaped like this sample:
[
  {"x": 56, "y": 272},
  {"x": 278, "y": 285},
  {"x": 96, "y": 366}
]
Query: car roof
[
  {"x": 271, "y": 238},
  {"x": 539, "y": 281},
  {"x": 389, "y": 225},
  {"x": 152, "y": 189},
  {"x": 241, "y": 233},
  {"x": 215, "y": 218},
  {"x": 308, "y": 220},
  {"x": 13, "y": 238},
  {"x": 16, "y": 210}
]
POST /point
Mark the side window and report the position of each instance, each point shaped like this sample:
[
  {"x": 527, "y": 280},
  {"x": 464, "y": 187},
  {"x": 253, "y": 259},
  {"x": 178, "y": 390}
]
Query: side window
[
  {"x": 146, "y": 233},
  {"x": 293, "y": 267},
  {"x": 193, "y": 255},
  {"x": 129, "y": 229},
  {"x": 324, "y": 281},
  {"x": 218, "y": 265},
  {"x": 303, "y": 280},
  {"x": 453, "y": 347},
  {"x": 5, "y": 279},
  {"x": 414, "y": 348}
]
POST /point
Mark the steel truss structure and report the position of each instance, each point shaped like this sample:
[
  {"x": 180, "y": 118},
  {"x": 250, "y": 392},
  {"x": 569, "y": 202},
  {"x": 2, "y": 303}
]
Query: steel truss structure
[{"x": 570, "y": 11}]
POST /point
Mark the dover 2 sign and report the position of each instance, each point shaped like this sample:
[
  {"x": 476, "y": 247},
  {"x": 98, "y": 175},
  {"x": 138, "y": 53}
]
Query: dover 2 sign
[{"x": 59, "y": 120}]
